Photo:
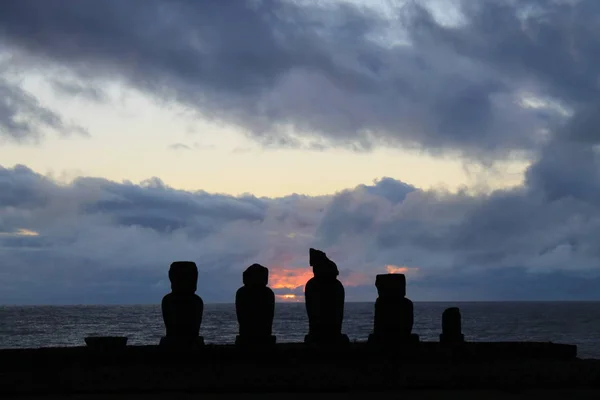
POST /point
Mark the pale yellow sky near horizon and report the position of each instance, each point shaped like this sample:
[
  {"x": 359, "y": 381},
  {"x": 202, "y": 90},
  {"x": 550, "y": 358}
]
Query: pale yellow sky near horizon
[{"x": 130, "y": 139}]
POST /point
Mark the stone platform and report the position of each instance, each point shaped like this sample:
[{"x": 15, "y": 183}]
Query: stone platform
[{"x": 295, "y": 367}]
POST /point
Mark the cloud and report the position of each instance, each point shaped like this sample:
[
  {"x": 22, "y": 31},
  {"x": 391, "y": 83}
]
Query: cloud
[
  {"x": 339, "y": 75},
  {"x": 77, "y": 89},
  {"x": 502, "y": 78},
  {"x": 102, "y": 241},
  {"x": 23, "y": 119},
  {"x": 194, "y": 146},
  {"x": 179, "y": 146}
]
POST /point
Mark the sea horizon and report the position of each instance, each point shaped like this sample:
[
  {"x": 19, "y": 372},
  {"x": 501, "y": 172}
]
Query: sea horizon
[
  {"x": 295, "y": 302},
  {"x": 568, "y": 322}
]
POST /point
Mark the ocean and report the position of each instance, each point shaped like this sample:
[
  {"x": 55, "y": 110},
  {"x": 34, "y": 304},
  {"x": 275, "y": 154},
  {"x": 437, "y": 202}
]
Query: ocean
[{"x": 559, "y": 322}]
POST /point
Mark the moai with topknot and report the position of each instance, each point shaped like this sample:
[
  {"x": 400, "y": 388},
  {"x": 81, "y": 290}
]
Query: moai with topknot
[{"x": 324, "y": 296}]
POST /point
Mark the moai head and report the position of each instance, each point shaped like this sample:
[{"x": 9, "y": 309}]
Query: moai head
[
  {"x": 183, "y": 276},
  {"x": 451, "y": 319},
  {"x": 322, "y": 265},
  {"x": 451, "y": 326},
  {"x": 391, "y": 285},
  {"x": 256, "y": 275}
]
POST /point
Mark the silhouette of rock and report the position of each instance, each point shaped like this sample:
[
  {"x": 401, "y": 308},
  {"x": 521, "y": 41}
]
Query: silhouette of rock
[
  {"x": 324, "y": 295},
  {"x": 393, "y": 311},
  {"x": 451, "y": 326},
  {"x": 255, "y": 306},
  {"x": 106, "y": 343},
  {"x": 182, "y": 309}
]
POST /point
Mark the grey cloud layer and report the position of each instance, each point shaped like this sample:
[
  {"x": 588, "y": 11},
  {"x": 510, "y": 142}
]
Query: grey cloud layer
[
  {"x": 101, "y": 241},
  {"x": 269, "y": 65}
]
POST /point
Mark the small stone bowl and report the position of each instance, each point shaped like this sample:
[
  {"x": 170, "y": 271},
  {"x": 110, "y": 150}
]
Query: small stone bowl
[{"x": 106, "y": 342}]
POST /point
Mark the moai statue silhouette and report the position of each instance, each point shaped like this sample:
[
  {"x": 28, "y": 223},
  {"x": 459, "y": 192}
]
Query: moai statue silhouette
[
  {"x": 324, "y": 295},
  {"x": 182, "y": 309},
  {"x": 451, "y": 327},
  {"x": 255, "y": 306},
  {"x": 393, "y": 311}
]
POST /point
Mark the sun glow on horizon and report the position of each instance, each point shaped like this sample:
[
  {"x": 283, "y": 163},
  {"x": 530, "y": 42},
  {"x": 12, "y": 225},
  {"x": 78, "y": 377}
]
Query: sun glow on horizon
[
  {"x": 289, "y": 279},
  {"x": 289, "y": 298}
]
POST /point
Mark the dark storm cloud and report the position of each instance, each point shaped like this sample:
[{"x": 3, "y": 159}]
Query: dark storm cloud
[
  {"x": 163, "y": 209},
  {"x": 114, "y": 241},
  {"x": 549, "y": 225},
  {"x": 21, "y": 188},
  {"x": 547, "y": 46},
  {"x": 88, "y": 233},
  {"x": 267, "y": 65}
]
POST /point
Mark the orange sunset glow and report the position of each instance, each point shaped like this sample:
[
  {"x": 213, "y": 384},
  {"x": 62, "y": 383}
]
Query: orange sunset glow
[
  {"x": 295, "y": 279},
  {"x": 393, "y": 269},
  {"x": 282, "y": 278}
]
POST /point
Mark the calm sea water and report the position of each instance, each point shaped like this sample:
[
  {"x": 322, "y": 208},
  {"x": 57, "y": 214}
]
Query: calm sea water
[{"x": 43, "y": 326}]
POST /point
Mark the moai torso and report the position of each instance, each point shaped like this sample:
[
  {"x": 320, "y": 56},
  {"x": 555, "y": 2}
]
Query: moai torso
[
  {"x": 182, "y": 309},
  {"x": 393, "y": 316},
  {"x": 182, "y": 314},
  {"x": 325, "y": 306},
  {"x": 255, "y": 303},
  {"x": 393, "y": 312}
]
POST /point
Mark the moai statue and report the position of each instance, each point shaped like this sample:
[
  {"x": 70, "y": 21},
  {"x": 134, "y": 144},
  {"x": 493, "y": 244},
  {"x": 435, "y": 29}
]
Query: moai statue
[
  {"x": 451, "y": 327},
  {"x": 255, "y": 306},
  {"x": 182, "y": 308},
  {"x": 324, "y": 296},
  {"x": 393, "y": 311}
]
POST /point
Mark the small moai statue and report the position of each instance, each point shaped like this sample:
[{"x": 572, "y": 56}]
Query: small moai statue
[
  {"x": 324, "y": 296},
  {"x": 394, "y": 315},
  {"x": 255, "y": 307},
  {"x": 182, "y": 308},
  {"x": 451, "y": 327}
]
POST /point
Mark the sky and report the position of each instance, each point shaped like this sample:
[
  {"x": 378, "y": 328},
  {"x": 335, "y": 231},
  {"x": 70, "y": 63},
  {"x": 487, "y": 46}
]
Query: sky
[{"x": 449, "y": 140}]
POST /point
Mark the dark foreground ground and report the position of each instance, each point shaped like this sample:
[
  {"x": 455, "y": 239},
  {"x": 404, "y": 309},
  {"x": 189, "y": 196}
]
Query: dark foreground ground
[
  {"x": 486, "y": 370},
  {"x": 572, "y": 394}
]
